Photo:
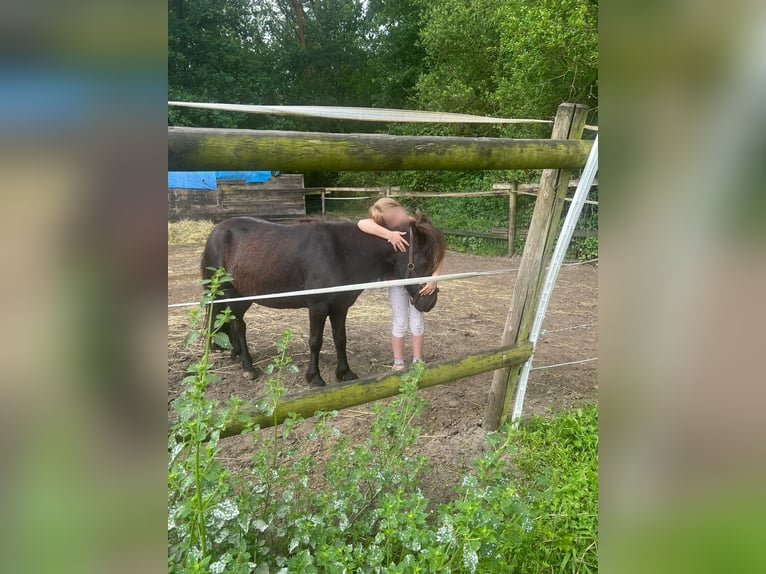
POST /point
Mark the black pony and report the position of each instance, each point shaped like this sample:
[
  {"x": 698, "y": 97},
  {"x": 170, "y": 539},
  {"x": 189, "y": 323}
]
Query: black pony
[{"x": 265, "y": 257}]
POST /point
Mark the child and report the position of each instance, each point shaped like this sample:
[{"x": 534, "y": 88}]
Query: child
[{"x": 384, "y": 214}]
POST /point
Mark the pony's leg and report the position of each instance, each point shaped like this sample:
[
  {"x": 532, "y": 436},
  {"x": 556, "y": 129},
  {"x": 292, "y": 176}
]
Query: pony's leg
[
  {"x": 317, "y": 320},
  {"x": 238, "y": 338},
  {"x": 338, "y": 321}
]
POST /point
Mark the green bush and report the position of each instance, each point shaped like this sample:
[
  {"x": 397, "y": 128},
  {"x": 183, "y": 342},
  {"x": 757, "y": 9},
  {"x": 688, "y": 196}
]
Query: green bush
[{"x": 528, "y": 505}]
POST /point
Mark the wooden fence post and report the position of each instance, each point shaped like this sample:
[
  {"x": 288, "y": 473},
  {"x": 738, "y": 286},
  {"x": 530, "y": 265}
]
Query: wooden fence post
[
  {"x": 568, "y": 124},
  {"x": 511, "y": 217},
  {"x": 323, "y": 210}
]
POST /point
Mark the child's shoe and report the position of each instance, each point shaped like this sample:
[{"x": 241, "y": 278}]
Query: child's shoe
[{"x": 398, "y": 366}]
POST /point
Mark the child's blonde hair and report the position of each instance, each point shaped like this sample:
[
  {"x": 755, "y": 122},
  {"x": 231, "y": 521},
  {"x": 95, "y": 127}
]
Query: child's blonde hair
[{"x": 380, "y": 207}]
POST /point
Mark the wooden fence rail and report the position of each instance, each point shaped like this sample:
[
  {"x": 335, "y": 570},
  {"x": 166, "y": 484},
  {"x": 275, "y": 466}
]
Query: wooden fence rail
[
  {"x": 227, "y": 149},
  {"x": 352, "y": 393}
]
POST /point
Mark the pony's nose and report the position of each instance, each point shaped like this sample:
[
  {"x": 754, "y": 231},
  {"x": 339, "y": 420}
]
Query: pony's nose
[{"x": 425, "y": 303}]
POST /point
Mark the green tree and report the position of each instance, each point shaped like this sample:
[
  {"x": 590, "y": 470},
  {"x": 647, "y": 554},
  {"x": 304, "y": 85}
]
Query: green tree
[
  {"x": 548, "y": 55},
  {"x": 515, "y": 58},
  {"x": 462, "y": 45},
  {"x": 214, "y": 49},
  {"x": 397, "y": 58}
]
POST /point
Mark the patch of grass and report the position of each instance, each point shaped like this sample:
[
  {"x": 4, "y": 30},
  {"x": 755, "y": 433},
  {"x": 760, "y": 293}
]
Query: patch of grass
[{"x": 189, "y": 231}]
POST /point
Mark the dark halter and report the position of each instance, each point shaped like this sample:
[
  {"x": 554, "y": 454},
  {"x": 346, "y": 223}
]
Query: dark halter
[
  {"x": 411, "y": 267},
  {"x": 411, "y": 256}
]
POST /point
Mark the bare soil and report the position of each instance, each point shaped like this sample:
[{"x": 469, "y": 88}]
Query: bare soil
[{"x": 469, "y": 316}]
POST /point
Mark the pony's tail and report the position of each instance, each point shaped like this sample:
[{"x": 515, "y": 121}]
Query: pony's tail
[{"x": 214, "y": 254}]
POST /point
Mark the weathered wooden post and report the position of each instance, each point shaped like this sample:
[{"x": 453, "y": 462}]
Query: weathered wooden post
[
  {"x": 511, "y": 217},
  {"x": 569, "y": 124},
  {"x": 323, "y": 209}
]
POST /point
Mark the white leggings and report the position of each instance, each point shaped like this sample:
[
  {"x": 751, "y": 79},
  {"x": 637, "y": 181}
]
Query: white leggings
[{"x": 404, "y": 312}]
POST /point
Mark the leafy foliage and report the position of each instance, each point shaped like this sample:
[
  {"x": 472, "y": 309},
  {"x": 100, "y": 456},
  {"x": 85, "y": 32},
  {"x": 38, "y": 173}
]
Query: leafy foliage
[{"x": 529, "y": 504}]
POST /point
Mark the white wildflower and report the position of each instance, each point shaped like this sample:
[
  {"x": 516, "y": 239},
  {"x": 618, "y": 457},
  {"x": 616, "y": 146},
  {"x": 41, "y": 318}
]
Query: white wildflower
[
  {"x": 260, "y": 525},
  {"x": 293, "y": 545},
  {"x": 219, "y": 566},
  {"x": 343, "y": 524},
  {"x": 174, "y": 452},
  {"x": 244, "y": 523},
  {"x": 470, "y": 559},
  {"x": 527, "y": 523},
  {"x": 468, "y": 480},
  {"x": 225, "y": 510},
  {"x": 445, "y": 534}
]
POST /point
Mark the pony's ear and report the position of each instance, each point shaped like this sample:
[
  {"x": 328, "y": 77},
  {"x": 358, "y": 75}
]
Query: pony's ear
[{"x": 421, "y": 217}]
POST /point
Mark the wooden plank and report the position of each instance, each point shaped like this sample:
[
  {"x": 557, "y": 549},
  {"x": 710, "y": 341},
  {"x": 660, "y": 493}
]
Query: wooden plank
[
  {"x": 531, "y": 189},
  {"x": 573, "y": 183},
  {"x": 449, "y": 194},
  {"x": 280, "y": 197},
  {"x": 344, "y": 395},
  {"x": 568, "y": 124},
  {"x": 523, "y": 231},
  {"x": 379, "y": 190},
  {"x": 468, "y": 233},
  {"x": 588, "y": 201},
  {"x": 227, "y": 149},
  {"x": 234, "y": 199},
  {"x": 502, "y": 232},
  {"x": 511, "y": 219}
]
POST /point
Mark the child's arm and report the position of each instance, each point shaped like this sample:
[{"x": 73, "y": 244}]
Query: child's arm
[
  {"x": 430, "y": 287},
  {"x": 393, "y": 237}
]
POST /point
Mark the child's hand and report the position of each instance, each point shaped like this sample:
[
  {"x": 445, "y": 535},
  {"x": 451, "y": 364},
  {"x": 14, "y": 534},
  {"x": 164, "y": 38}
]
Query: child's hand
[
  {"x": 398, "y": 242},
  {"x": 428, "y": 288}
]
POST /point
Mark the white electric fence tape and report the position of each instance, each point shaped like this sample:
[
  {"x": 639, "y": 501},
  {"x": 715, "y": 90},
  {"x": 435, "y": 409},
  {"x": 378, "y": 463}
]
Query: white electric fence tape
[
  {"x": 562, "y": 244},
  {"x": 354, "y": 287},
  {"x": 363, "y": 114},
  {"x": 364, "y": 286}
]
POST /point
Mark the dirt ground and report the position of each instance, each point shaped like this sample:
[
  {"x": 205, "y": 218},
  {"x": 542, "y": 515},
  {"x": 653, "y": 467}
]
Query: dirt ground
[{"x": 469, "y": 316}]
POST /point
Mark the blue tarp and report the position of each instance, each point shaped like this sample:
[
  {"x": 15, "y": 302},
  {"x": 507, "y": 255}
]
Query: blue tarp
[
  {"x": 192, "y": 179},
  {"x": 248, "y": 176},
  {"x": 209, "y": 179}
]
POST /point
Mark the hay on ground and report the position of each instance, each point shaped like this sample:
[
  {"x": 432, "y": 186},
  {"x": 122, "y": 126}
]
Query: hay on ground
[{"x": 189, "y": 231}]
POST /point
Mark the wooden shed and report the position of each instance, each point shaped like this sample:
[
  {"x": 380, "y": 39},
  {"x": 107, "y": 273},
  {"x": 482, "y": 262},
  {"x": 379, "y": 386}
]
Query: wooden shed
[{"x": 220, "y": 195}]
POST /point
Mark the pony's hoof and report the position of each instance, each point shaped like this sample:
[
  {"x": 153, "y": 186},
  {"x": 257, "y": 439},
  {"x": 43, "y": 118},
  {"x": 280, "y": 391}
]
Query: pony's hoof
[
  {"x": 249, "y": 374},
  {"x": 349, "y": 376},
  {"x": 316, "y": 383}
]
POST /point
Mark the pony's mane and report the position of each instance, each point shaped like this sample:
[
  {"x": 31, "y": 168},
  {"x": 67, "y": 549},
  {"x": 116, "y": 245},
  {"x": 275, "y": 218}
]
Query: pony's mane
[
  {"x": 431, "y": 240},
  {"x": 320, "y": 219}
]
